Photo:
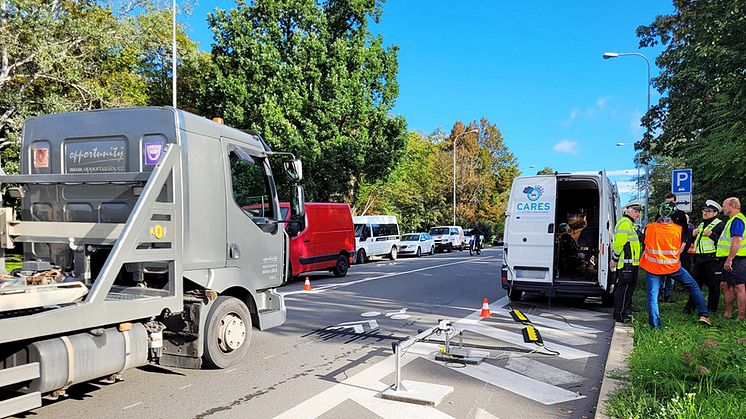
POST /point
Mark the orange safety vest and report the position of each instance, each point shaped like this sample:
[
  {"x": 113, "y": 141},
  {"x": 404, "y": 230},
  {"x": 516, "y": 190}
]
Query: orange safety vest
[{"x": 662, "y": 242}]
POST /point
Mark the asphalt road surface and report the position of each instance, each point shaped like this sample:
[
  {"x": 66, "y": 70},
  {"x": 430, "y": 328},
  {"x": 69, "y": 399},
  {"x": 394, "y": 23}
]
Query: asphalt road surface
[{"x": 333, "y": 356}]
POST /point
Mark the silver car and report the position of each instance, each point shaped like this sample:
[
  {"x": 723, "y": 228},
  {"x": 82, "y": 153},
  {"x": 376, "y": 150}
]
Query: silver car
[{"x": 417, "y": 244}]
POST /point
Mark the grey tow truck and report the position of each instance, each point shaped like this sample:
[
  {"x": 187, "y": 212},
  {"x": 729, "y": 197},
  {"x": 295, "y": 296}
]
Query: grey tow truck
[{"x": 149, "y": 235}]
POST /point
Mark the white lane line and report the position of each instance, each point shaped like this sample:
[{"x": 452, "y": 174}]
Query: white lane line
[
  {"x": 516, "y": 383},
  {"x": 328, "y": 287},
  {"x": 185, "y": 387},
  {"x": 542, "y": 372},
  {"x": 132, "y": 405},
  {"x": 566, "y": 352},
  {"x": 557, "y": 324}
]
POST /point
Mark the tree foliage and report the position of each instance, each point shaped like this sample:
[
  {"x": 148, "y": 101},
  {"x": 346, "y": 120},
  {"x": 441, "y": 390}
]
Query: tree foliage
[
  {"x": 419, "y": 190},
  {"x": 311, "y": 77},
  {"x": 545, "y": 171},
  {"x": 59, "y": 56},
  {"x": 701, "y": 120}
]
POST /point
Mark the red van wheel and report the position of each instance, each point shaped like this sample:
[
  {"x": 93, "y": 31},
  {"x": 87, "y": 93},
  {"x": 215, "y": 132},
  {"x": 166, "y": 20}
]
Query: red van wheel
[{"x": 342, "y": 266}]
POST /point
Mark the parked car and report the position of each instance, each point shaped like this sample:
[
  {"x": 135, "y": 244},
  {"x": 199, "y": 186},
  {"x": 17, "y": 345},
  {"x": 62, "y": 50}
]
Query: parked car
[
  {"x": 376, "y": 235},
  {"x": 417, "y": 244},
  {"x": 448, "y": 238},
  {"x": 325, "y": 239}
]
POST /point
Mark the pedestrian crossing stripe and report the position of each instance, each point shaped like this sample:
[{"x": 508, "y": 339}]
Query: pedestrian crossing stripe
[
  {"x": 518, "y": 316},
  {"x": 531, "y": 335}
]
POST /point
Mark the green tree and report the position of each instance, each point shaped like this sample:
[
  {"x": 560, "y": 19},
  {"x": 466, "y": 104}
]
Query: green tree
[
  {"x": 311, "y": 77},
  {"x": 701, "y": 119},
  {"x": 545, "y": 171},
  {"x": 59, "y": 56}
]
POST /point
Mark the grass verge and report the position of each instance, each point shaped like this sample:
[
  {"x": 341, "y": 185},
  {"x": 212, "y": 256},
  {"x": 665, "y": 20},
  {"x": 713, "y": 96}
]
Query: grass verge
[{"x": 685, "y": 370}]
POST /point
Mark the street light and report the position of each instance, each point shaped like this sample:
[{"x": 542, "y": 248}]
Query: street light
[
  {"x": 454, "y": 170},
  {"x": 606, "y": 56}
]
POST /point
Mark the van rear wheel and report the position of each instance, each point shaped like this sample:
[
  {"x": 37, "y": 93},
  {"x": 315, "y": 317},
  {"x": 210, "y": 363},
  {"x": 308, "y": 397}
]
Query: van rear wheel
[
  {"x": 228, "y": 332},
  {"x": 361, "y": 256},
  {"x": 342, "y": 266},
  {"x": 393, "y": 254}
]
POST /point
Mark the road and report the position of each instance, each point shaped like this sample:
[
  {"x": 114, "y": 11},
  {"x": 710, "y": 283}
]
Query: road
[{"x": 333, "y": 355}]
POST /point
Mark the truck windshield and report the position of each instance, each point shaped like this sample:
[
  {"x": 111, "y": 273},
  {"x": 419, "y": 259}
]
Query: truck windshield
[
  {"x": 410, "y": 237},
  {"x": 439, "y": 230}
]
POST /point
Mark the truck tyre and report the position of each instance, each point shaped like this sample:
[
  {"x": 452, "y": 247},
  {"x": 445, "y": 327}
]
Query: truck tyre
[
  {"x": 340, "y": 269},
  {"x": 449, "y": 249},
  {"x": 515, "y": 295},
  {"x": 227, "y": 332},
  {"x": 361, "y": 257},
  {"x": 419, "y": 251},
  {"x": 393, "y": 253}
]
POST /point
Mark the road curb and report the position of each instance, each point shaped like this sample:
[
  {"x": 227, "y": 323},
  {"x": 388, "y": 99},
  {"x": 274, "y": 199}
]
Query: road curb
[{"x": 616, "y": 364}]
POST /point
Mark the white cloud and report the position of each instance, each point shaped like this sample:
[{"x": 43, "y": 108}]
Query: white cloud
[
  {"x": 586, "y": 112},
  {"x": 566, "y": 146},
  {"x": 601, "y": 102}
]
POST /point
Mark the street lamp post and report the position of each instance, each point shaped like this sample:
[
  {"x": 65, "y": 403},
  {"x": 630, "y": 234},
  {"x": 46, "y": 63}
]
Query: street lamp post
[
  {"x": 608, "y": 55},
  {"x": 454, "y": 170}
]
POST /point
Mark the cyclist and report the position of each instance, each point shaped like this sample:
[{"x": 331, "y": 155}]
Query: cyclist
[{"x": 476, "y": 244}]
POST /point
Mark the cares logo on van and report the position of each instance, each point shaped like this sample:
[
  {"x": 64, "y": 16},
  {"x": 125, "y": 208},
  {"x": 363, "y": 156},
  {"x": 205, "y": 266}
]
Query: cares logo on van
[{"x": 533, "y": 193}]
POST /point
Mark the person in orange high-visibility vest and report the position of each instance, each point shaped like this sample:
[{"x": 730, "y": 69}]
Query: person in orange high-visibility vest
[{"x": 661, "y": 259}]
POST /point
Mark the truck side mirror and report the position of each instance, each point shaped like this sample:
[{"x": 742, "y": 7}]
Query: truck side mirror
[
  {"x": 294, "y": 169},
  {"x": 298, "y": 200}
]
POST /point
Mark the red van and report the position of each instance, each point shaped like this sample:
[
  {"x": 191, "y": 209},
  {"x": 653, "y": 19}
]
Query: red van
[{"x": 326, "y": 241}]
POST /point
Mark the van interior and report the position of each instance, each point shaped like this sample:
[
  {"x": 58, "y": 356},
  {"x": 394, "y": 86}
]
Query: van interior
[{"x": 577, "y": 231}]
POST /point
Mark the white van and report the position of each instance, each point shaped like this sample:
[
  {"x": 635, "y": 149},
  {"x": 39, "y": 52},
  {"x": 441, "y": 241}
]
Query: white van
[
  {"x": 448, "y": 238},
  {"x": 376, "y": 235},
  {"x": 558, "y": 233}
]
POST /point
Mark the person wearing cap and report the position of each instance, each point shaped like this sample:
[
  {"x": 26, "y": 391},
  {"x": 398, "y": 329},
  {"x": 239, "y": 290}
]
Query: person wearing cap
[
  {"x": 706, "y": 267},
  {"x": 626, "y": 260},
  {"x": 678, "y": 217},
  {"x": 732, "y": 248},
  {"x": 661, "y": 258}
]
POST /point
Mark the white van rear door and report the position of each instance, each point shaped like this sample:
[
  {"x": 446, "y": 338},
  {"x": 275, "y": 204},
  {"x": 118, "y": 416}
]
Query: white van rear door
[{"x": 530, "y": 229}]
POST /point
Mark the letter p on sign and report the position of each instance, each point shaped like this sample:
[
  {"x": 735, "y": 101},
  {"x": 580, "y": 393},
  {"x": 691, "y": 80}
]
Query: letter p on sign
[{"x": 681, "y": 181}]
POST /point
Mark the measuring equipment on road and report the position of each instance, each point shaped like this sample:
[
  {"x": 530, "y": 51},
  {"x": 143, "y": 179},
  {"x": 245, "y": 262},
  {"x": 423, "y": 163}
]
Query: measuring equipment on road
[{"x": 531, "y": 335}]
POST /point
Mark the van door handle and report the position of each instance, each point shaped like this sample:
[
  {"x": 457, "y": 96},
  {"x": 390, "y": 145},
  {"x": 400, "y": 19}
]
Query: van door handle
[
  {"x": 550, "y": 229},
  {"x": 234, "y": 251}
]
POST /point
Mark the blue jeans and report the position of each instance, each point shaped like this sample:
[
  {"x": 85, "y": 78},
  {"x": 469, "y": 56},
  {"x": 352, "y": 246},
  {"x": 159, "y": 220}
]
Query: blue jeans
[{"x": 681, "y": 276}]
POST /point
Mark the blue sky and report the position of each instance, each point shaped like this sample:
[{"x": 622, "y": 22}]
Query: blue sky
[{"x": 533, "y": 68}]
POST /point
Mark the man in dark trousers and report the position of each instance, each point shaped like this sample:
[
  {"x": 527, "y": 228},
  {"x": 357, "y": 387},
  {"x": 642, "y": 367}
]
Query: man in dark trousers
[
  {"x": 706, "y": 267},
  {"x": 679, "y": 218},
  {"x": 625, "y": 260}
]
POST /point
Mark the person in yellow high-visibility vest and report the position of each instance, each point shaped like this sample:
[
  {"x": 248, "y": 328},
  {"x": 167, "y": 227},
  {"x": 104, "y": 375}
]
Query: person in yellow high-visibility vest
[
  {"x": 661, "y": 259},
  {"x": 626, "y": 260},
  {"x": 706, "y": 267},
  {"x": 731, "y": 249}
]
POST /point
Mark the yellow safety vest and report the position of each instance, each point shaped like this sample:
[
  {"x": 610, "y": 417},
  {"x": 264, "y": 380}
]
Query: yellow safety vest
[
  {"x": 723, "y": 249},
  {"x": 704, "y": 244},
  {"x": 625, "y": 232}
]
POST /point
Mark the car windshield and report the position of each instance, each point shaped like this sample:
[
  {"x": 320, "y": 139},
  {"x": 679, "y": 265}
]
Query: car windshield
[
  {"x": 439, "y": 230},
  {"x": 410, "y": 237}
]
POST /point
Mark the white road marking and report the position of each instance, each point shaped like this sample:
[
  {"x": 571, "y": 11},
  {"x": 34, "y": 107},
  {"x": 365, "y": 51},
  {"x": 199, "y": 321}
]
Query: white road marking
[
  {"x": 401, "y": 311},
  {"x": 542, "y": 372},
  {"x": 357, "y": 326},
  {"x": 483, "y": 414},
  {"x": 400, "y": 316},
  {"x": 185, "y": 387},
  {"x": 568, "y": 337},
  {"x": 371, "y": 314},
  {"x": 517, "y": 383},
  {"x": 328, "y": 287},
  {"x": 229, "y": 371},
  {"x": 132, "y": 405}
]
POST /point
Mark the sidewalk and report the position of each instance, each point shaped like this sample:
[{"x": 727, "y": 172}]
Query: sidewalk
[{"x": 616, "y": 365}]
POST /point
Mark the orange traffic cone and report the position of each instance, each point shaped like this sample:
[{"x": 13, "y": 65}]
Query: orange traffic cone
[
  {"x": 307, "y": 285},
  {"x": 485, "y": 309}
]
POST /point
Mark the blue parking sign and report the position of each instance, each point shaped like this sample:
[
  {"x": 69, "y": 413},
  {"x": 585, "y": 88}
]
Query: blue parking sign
[{"x": 681, "y": 181}]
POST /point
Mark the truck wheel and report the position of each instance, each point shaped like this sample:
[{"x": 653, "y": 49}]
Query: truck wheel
[
  {"x": 340, "y": 269},
  {"x": 228, "y": 332},
  {"x": 515, "y": 295},
  {"x": 361, "y": 256},
  {"x": 419, "y": 252},
  {"x": 393, "y": 253},
  {"x": 449, "y": 249}
]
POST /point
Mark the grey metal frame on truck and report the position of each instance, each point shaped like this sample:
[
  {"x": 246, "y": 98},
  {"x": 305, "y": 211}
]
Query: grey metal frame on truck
[{"x": 171, "y": 242}]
